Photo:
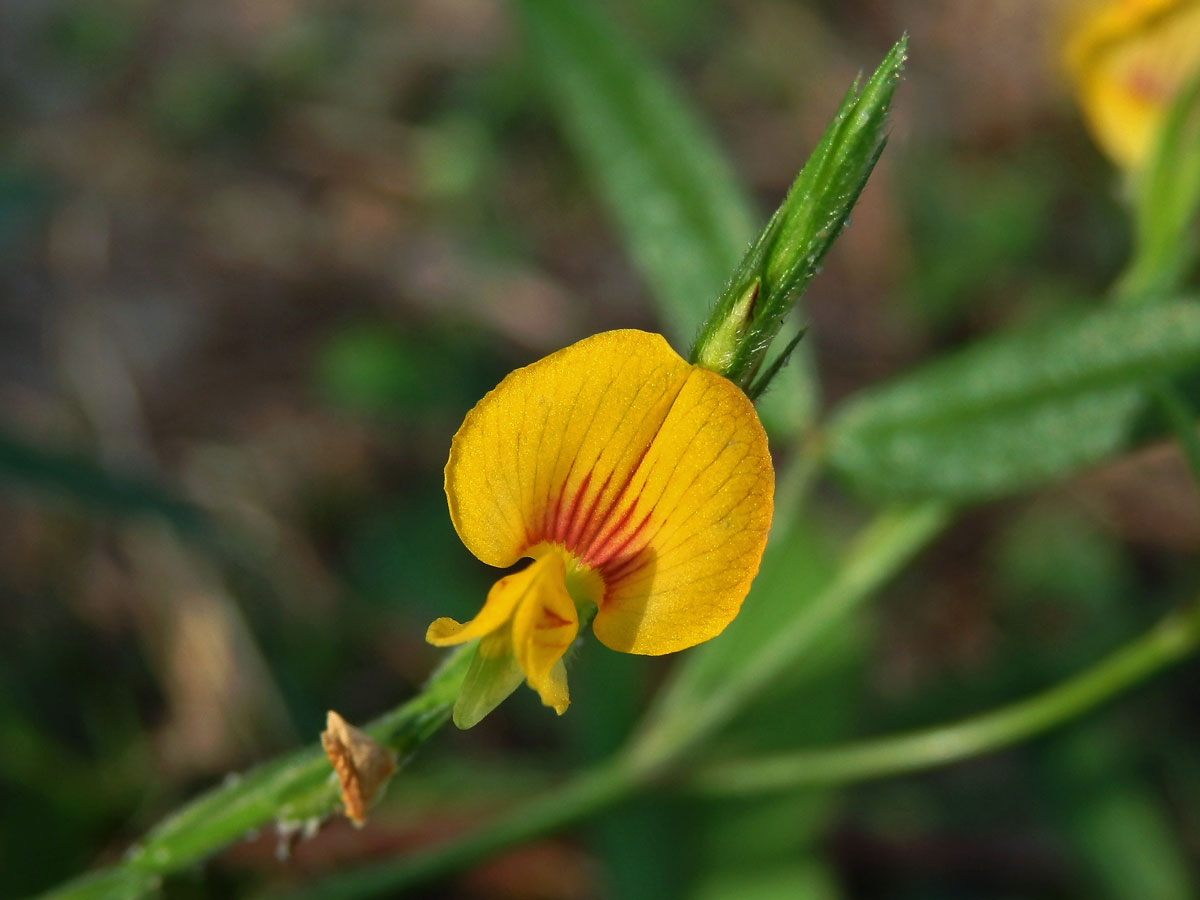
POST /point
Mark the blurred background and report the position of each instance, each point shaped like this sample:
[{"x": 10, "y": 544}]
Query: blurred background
[{"x": 259, "y": 257}]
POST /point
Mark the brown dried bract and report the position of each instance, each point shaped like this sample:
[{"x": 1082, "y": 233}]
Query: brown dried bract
[{"x": 362, "y": 765}]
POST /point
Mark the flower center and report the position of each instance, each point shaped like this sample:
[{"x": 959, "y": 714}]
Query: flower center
[{"x": 584, "y": 584}]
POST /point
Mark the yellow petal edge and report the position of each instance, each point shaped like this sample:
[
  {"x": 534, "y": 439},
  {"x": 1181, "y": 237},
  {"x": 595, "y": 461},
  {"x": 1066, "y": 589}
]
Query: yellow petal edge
[{"x": 633, "y": 466}]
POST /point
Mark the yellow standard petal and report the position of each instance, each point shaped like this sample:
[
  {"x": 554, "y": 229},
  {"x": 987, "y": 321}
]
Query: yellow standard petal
[
  {"x": 1128, "y": 59},
  {"x": 550, "y": 449},
  {"x": 649, "y": 475},
  {"x": 679, "y": 551}
]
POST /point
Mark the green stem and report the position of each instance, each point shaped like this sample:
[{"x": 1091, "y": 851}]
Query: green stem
[
  {"x": 582, "y": 796},
  {"x": 1169, "y": 642},
  {"x": 291, "y": 790},
  {"x": 890, "y": 541},
  {"x": 880, "y": 550},
  {"x": 1172, "y": 640}
]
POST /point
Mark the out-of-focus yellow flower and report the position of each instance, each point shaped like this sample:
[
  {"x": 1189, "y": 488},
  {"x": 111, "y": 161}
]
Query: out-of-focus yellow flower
[
  {"x": 1128, "y": 59},
  {"x": 639, "y": 485}
]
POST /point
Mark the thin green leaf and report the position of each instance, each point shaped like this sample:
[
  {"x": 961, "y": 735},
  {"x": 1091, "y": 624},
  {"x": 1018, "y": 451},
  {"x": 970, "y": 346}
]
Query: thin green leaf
[
  {"x": 75, "y": 477},
  {"x": 674, "y": 196},
  {"x": 289, "y": 791},
  {"x": 764, "y": 380},
  {"x": 1015, "y": 410}
]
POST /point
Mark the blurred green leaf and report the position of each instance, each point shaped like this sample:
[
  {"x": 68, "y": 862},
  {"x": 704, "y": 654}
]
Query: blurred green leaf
[
  {"x": 406, "y": 377},
  {"x": 1130, "y": 845},
  {"x": 1057, "y": 554},
  {"x": 974, "y": 227},
  {"x": 673, "y": 195},
  {"x": 1120, "y": 828},
  {"x": 1014, "y": 410},
  {"x": 676, "y": 200},
  {"x": 801, "y": 879},
  {"x": 74, "y": 476},
  {"x": 371, "y": 369}
]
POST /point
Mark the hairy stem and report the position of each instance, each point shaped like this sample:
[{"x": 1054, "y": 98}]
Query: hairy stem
[
  {"x": 883, "y": 547},
  {"x": 1172, "y": 640},
  {"x": 290, "y": 790}
]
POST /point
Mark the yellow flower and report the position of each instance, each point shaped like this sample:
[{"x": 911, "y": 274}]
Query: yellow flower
[
  {"x": 1128, "y": 59},
  {"x": 639, "y": 485}
]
